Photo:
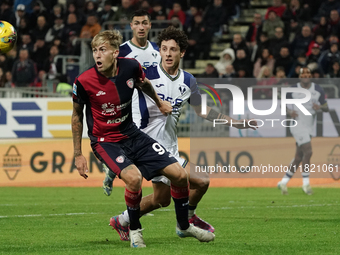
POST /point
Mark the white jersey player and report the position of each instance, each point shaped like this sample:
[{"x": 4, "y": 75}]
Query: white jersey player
[{"x": 303, "y": 131}]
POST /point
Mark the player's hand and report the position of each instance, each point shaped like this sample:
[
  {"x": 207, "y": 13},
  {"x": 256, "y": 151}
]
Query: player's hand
[
  {"x": 165, "y": 107},
  {"x": 316, "y": 107},
  {"x": 293, "y": 114},
  {"x": 81, "y": 164}
]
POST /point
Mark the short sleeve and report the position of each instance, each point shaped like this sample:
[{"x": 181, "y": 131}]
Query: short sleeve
[{"x": 79, "y": 94}]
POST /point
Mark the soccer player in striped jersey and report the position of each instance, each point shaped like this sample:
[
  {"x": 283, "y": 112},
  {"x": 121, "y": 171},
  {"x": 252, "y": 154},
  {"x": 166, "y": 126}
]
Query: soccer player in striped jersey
[
  {"x": 303, "y": 131},
  {"x": 178, "y": 87},
  {"x": 106, "y": 90}
]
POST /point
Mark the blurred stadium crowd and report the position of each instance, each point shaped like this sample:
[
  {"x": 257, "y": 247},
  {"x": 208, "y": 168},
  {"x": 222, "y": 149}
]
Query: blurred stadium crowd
[{"x": 278, "y": 41}]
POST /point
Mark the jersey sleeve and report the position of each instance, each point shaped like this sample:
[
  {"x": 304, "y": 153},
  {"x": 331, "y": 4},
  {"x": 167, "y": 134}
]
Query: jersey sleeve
[
  {"x": 124, "y": 50},
  {"x": 191, "y": 82},
  {"x": 140, "y": 72},
  {"x": 79, "y": 94},
  {"x": 322, "y": 97}
]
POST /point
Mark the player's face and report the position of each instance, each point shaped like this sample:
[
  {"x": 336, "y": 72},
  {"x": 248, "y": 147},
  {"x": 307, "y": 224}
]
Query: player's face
[
  {"x": 171, "y": 54},
  {"x": 305, "y": 75},
  {"x": 140, "y": 26},
  {"x": 104, "y": 55}
]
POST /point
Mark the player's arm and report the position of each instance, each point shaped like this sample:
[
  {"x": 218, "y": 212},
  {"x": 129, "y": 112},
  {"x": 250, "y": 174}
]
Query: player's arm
[
  {"x": 77, "y": 132},
  {"x": 146, "y": 86},
  {"x": 213, "y": 115}
]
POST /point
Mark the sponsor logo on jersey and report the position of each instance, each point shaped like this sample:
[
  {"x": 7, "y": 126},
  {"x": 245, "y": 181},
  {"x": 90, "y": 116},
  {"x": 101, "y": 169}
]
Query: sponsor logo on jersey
[
  {"x": 159, "y": 85},
  {"x": 129, "y": 82},
  {"x": 120, "y": 159},
  {"x": 108, "y": 108},
  {"x": 117, "y": 120},
  {"x": 74, "y": 89},
  {"x": 100, "y": 93},
  {"x": 154, "y": 55}
]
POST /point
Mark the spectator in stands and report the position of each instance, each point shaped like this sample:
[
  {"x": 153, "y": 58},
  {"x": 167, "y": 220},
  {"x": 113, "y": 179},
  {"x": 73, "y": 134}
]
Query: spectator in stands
[
  {"x": 266, "y": 59},
  {"x": 24, "y": 27},
  {"x": 2, "y": 78},
  {"x": 293, "y": 29},
  {"x": 175, "y": 21},
  {"x": 63, "y": 86},
  {"x": 227, "y": 57},
  {"x": 177, "y": 10},
  {"x": 254, "y": 31},
  {"x": 18, "y": 15},
  {"x": 26, "y": 43},
  {"x": 264, "y": 43},
  {"x": 56, "y": 12},
  {"x": 157, "y": 9},
  {"x": 301, "y": 41},
  {"x": 190, "y": 15},
  {"x": 315, "y": 54},
  {"x": 313, "y": 5},
  {"x": 285, "y": 60},
  {"x": 40, "y": 52},
  {"x": 160, "y": 16},
  {"x": 71, "y": 26},
  {"x": 214, "y": 17},
  {"x": 210, "y": 72},
  {"x": 281, "y": 78},
  {"x": 90, "y": 8},
  {"x": 278, "y": 7},
  {"x": 106, "y": 13},
  {"x": 333, "y": 38},
  {"x": 271, "y": 23},
  {"x": 335, "y": 70},
  {"x": 320, "y": 41},
  {"x": 229, "y": 72},
  {"x": 243, "y": 61},
  {"x": 300, "y": 62},
  {"x": 328, "y": 57},
  {"x": 23, "y": 72},
  {"x": 239, "y": 43},
  {"x": 5, "y": 11},
  {"x": 41, "y": 29},
  {"x": 81, "y": 18},
  {"x": 301, "y": 13},
  {"x": 51, "y": 68},
  {"x": 3, "y": 62},
  {"x": 92, "y": 27},
  {"x": 55, "y": 31},
  {"x": 145, "y": 5},
  {"x": 334, "y": 22},
  {"x": 325, "y": 9},
  {"x": 265, "y": 77},
  {"x": 277, "y": 42},
  {"x": 11, "y": 58},
  {"x": 8, "y": 81},
  {"x": 198, "y": 40},
  {"x": 322, "y": 28},
  {"x": 38, "y": 10},
  {"x": 124, "y": 11}
]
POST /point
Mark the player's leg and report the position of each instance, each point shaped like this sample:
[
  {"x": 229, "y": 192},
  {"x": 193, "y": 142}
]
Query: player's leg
[
  {"x": 199, "y": 183},
  {"x": 180, "y": 194},
  {"x": 114, "y": 156},
  {"x": 282, "y": 185},
  {"x": 307, "y": 154},
  {"x": 108, "y": 180}
]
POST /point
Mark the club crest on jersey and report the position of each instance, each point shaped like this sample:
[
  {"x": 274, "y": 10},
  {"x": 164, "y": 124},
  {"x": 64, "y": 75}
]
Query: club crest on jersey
[
  {"x": 182, "y": 89},
  {"x": 120, "y": 159},
  {"x": 130, "y": 82},
  {"x": 154, "y": 55},
  {"x": 108, "y": 109}
]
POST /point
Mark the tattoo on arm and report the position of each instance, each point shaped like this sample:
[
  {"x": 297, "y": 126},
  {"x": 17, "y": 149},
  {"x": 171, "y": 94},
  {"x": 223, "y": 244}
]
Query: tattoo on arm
[{"x": 77, "y": 127}]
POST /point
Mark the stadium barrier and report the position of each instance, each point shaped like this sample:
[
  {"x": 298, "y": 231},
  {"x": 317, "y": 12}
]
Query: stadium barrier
[{"x": 49, "y": 162}]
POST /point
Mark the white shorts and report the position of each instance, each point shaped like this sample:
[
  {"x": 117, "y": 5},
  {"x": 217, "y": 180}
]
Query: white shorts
[
  {"x": 164, "y": 179},
  {"x": 301, "y": 136}
]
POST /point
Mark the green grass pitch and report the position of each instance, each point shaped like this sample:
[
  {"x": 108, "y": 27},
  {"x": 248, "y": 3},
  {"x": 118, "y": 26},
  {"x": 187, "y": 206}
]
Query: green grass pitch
[{"x": 247, "y": 221}]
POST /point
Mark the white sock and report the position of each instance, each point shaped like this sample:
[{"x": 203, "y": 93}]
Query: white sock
[
  {"x": 191, "y": 213},
  {"x": 124, "y": 218},
  {"x": 305, "y": 178},
  {"x": 287, "y": 177}
]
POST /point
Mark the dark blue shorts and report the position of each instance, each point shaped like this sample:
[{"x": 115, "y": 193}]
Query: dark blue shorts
[{"x": 140, "y": 149}]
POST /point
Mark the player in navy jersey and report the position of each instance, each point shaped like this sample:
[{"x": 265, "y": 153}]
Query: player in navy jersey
[
  {"x": 106, "y": 90},
  {"x": 303, "y": 131},
  {"x": 180, "y": 87}
]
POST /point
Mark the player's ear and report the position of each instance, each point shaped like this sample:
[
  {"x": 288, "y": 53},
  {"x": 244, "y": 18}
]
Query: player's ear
[
  {"x": 115, "y": 53},
  {"x": 182, "y": 54}
]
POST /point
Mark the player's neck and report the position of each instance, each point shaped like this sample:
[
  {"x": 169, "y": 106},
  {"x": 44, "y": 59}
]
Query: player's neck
[
  {"x": 112, "y": 71},
  {"x": 142, "y": 42},
  {"x": 171, "y": 70},
  {"x": 306, "y": 85}
]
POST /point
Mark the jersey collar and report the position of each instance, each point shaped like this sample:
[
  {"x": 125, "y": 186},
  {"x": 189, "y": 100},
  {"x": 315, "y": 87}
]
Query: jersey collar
[
  {"x": 168, "y": 75},
  {"x": 147, "y": 45}
]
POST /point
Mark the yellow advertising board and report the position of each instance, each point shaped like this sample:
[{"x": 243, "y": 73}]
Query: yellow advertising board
[{"x": 49, "y": 162}]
